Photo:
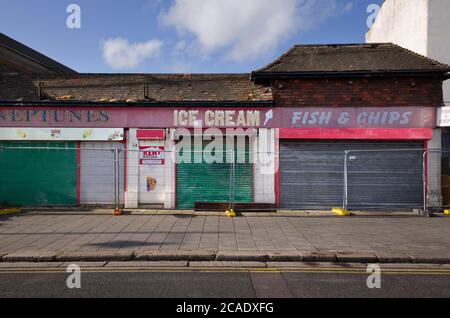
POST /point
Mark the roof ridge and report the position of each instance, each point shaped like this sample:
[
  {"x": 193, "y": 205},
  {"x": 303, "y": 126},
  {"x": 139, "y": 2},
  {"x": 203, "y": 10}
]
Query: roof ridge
[
  {"x": 342, "y": 44},
  {"x": 278, "y": 60},
  {"x": 175, "y": 75}
]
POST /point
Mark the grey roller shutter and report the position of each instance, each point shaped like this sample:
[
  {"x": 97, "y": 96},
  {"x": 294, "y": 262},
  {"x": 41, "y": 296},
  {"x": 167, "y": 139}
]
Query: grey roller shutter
[
  {"x": 312, "y": 174},
  {"x": 387, "y": 180},
  {"x": 97, "y": 173}
]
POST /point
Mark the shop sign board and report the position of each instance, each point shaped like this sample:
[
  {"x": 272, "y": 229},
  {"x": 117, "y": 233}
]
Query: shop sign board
[
  {"x": 61, "y": 134},
  {"x": 443, "y": 117},
  {"x": 221, "y": 117}
]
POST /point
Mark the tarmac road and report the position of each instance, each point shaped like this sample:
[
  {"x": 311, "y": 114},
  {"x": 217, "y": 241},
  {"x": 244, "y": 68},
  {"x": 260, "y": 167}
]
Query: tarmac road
[{"x": 232, "y": 283}]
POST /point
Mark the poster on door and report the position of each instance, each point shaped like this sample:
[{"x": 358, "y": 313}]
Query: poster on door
[{"x": 151, "y": 156}]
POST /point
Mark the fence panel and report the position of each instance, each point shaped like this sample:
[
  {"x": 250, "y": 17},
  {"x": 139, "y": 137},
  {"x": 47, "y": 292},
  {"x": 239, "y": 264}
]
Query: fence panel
[
  {"x": 60, "y": 174},
  {"x": 98, "y": 185}
]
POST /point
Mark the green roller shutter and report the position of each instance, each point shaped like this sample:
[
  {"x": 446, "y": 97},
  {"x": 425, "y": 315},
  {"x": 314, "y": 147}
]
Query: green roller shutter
[
  {"x": 206, "y": 182},
  {"x": 38, "y": 177}
]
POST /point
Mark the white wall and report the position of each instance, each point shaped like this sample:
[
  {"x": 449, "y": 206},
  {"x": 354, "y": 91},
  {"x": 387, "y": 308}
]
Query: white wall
[
  {"x": 403, "y": 22},
  {"x": 438, "y": 36},
  {"x": 132, "y": 190},
  {"x": 421, "y": 26},
  {"x": 264, "y": 156}
]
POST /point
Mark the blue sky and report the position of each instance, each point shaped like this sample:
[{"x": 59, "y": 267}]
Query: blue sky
[{"x": 181, "y": 36}]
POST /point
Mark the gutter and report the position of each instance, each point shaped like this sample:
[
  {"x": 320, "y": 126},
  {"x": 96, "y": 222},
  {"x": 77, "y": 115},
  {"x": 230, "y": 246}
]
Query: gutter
[{"x": 286, "y": 75}]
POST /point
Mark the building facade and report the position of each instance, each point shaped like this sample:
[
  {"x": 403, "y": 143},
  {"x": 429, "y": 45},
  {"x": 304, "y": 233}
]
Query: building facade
[
  {"x": 421, "y": 26},
  {"x": 291, "y": 129}
]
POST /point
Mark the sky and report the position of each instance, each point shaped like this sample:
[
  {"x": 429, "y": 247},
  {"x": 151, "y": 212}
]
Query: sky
[{"x": 179, "y": 36}]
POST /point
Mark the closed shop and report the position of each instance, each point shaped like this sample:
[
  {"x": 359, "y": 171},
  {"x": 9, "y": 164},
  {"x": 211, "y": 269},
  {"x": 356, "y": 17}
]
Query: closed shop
[
  {"x": 97, "y": 185},
  {"x": 211, "y": 182},
  {"x": 389, "y": 176},
  {"x": 152, "y": 158},
  {"x": 38, "y": 177}
]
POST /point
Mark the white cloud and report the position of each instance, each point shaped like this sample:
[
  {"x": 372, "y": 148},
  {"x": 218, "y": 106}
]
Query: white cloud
[
  {"x": 120, "y": 54},
  {"x": 245, "y": 28}
]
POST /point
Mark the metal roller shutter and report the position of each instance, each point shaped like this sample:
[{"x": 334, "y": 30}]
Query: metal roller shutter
[
  {"x": 38, "y": 177},
  {"x": 97, "y": 173},
  {"x": 311, "y": 175},
  {"x": 386, "y": 179},
  {"x": 205, "y": 182}
]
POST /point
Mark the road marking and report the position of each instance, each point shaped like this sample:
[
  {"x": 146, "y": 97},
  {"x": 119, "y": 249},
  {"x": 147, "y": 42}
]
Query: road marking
[{"x": 361, "y": 271}]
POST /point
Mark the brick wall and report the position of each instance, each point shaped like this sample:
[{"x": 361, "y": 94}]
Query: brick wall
[{"x": 347, "y": 92}]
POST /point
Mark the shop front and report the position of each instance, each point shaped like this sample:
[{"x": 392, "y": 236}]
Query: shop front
[
  {"x": 178, "y": 157},
  {"x": 371, "y": 157},
  {"x": 57, "y": 166},
  {"x": 204, "y": 156}
]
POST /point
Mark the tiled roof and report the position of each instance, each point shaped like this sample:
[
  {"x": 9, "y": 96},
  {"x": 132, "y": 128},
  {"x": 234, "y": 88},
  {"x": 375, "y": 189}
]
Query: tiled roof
[
  {"x": 135, "y": 87},
  {"x": 352, "y": 58},
  {"x": 32, "y": 55}
]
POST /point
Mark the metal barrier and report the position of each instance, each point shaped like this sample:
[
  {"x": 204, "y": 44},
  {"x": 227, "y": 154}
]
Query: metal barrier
[
  {"x": 390, "y": 179},
  {"x": 436, "y": 195},
  {"x": 60, "y": 175}
]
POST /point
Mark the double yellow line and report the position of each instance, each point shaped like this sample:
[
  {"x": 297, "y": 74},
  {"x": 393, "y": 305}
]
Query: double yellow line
[{"x": 324, "y": 270}]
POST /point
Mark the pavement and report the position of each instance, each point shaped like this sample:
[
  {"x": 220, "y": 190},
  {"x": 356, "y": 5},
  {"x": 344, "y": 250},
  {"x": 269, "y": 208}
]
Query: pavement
[{"x": 162, "y": 236}]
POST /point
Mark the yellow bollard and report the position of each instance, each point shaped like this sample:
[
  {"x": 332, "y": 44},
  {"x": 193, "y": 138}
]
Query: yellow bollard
[
  {"x": 340, "y": 212},
  {"x": 10, "y": 211},
  {"x": 230, "y": 213}
]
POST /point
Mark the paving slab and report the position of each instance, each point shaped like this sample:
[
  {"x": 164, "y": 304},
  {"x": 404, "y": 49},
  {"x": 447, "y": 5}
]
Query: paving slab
[
  {"x": 285, "y": 257},
  {"x": 429, "y": 259},
  {"x": 242, "y": 256},
  {"x": 29, "y": 265},
  {"x": 356, "y": 257},
  {"x": 318, "y": 257},
  {"x": 227, "y": 264},
  {"x": 146, "y": 264},
  {"x": 152, "y": 255},
  {"x": 3, "y": 254},
  {"x": 94, "y": 256},
  {"x": 30, "y": 256},
  {"x": 396, "y": 258}
]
